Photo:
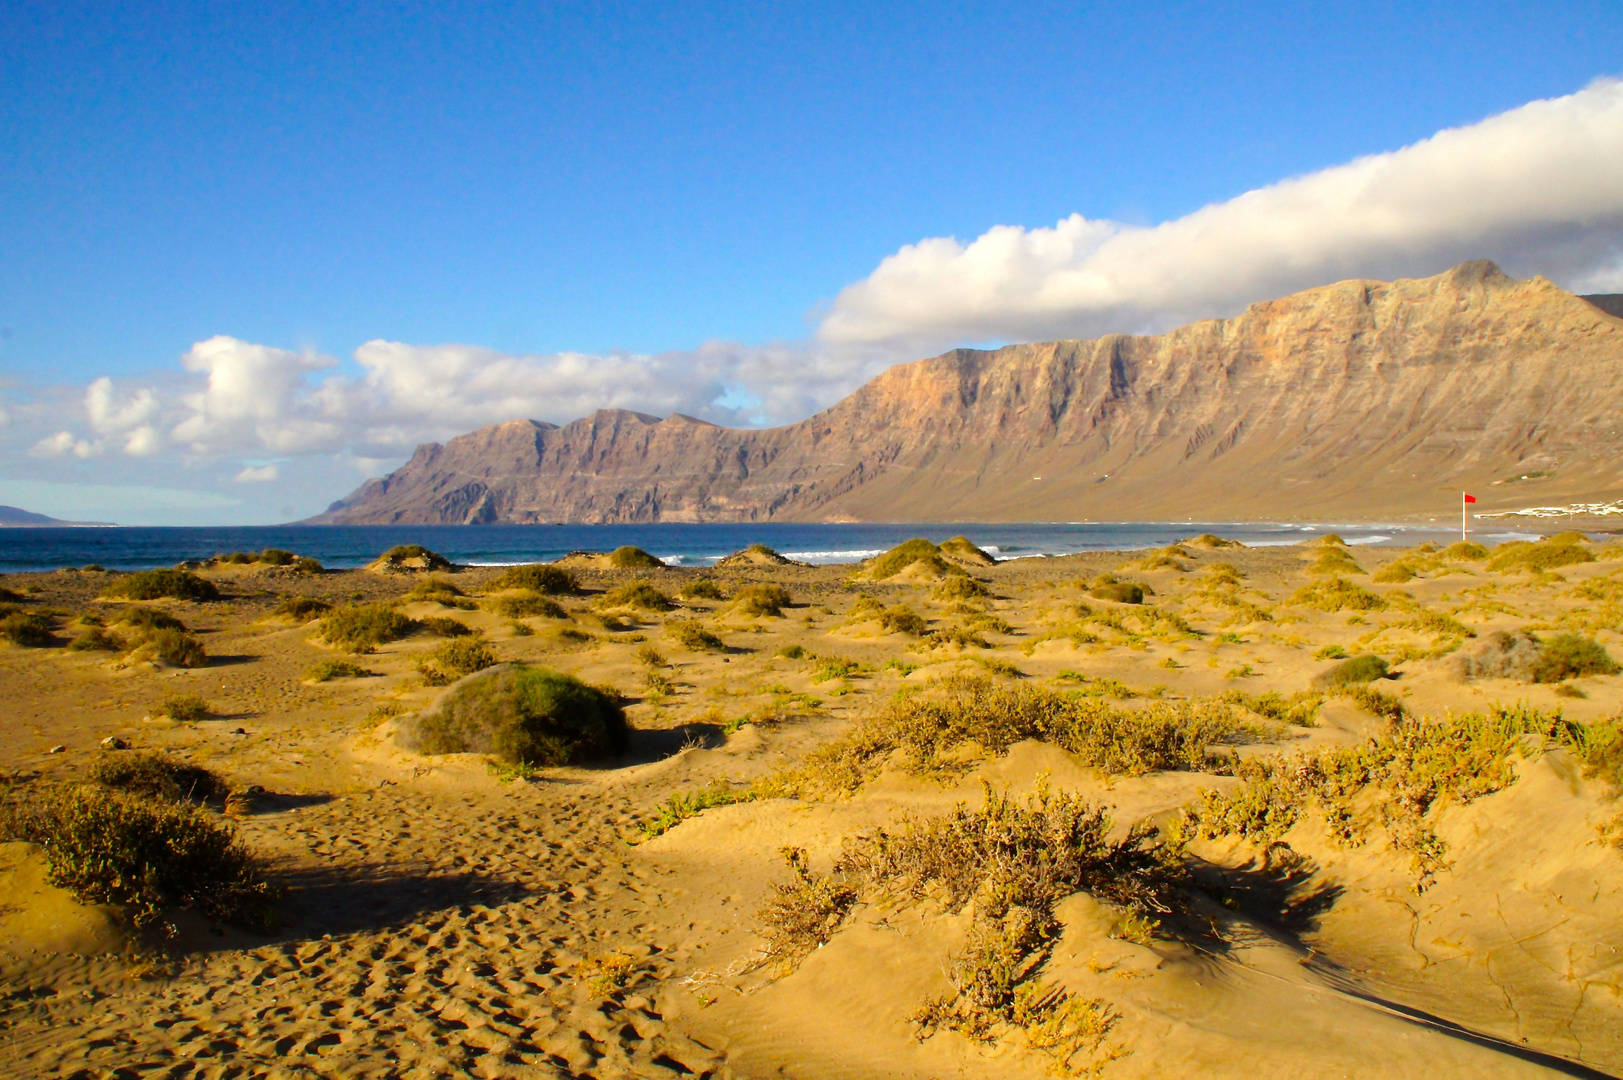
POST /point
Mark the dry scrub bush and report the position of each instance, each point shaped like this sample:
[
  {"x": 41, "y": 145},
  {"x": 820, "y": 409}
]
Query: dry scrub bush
[
  {"x": 1545, "y": 555},
  {"x": 157, "y": 584},
  {"x": 690, "y": 635},
  {"x": 454, "y": 659},
  {"x": 146, "y": 855},
  {"x": 1334, "y": 560},
  {"x": 1121, "y": 592},
  {"x": 145, "y": 619},
  {"x": 762, "y": 600},
  {"x": 1392, "y": 781},
  {"x": 523, "y": 715},
  {"x": 702, "y": 589},
  {"x": 528, "y": 604},
  {"x": 97, "y": 638},
  {"x": 538, "y": 577},
  {"x": 1301, "y": 709},
  {"x": 29, "y": 629},
  {"x": 964, "y": 549},
  {"x": 902, "y": 619},
  {"x": 636, "y": 594},
  {"x": 175, "y": 648},
  {"x": 1520, "y": 655},
  {"x": 1336, "y": 595},
  {"x": 300, "y": 608},
  {"x": 1465, "y": 551},
  {"x": 1009, "y": 863},
  {"x": 333, "y": 668},
  {"x": 1567, "y": 656},
  {"x": 923, "y": 731},
  {"x": 917, "y": 550},
  {"x": 398, "y": 555},
  {"x": 360, "y": 628},
  {"x": 633, "y": 558},
  {"x": 157, "y": 776},
  {"x": 1433, "y": 622},
  {"x": 184, "y": 708},
  {"x": 1397, "y": 572}
]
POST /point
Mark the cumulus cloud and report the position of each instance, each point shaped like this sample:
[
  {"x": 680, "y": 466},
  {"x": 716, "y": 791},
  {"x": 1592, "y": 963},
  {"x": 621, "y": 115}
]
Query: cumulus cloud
[
  {"x": 1539, "y": 188},
  {"x": 255, "y": 396},
  {"x": 258, "y": 474},
  {"x": 62, "y": 444}
]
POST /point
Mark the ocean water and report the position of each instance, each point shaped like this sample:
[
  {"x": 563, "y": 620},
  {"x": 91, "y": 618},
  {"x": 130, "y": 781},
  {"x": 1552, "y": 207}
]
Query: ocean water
[{"x": 344, "y": 546}]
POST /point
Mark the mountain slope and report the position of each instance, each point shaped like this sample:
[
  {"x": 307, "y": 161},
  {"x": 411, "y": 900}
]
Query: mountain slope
[{"x": 1360, "y": 400}]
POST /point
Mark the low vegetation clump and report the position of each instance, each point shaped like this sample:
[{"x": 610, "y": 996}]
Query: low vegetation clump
[
  {"x": 1301, "y": 709},
  {"x": 963, "y": 549},
  {"x": 961, "y": 589},
  {"x": 538, "y": 577},
  {"x": 158, "y": 776},
  {"x": 1121, "y": 592},
  {"x": 633, "y": 558},
  {"x": 762, "y": 600},
  {"x": 702, "y": 589},
  {"x": 690, "y": 635},
  {"x": 636, "y": 594},
  {"x": 902, "y": 619},
  {"x": 1338, "y": 594},
  {"x": 446, "y": 627},
  {"x": 170, "y": 647},
  {"x": 1465, "y": 551},
  {"x": 455, "y": 659},
  {"x": 528, "y": 604},
  {"x": 1543, "y": 556},
  {"x": 1009, "y": 863},
  {"x": 1391, "y": 782},
  {"x": 1396, "y": 572},
  {"x": 149, "y": 856},
  {"x": 185, "y": 708},
  {"x": 97, "y": 639},
  {"x": 921, "y": 732},
  {"x": 1334, "y": 560},
  {"x": 159, "y": 584},
  {"x": 1212, "y": 542},
  {"x": 441, "y": 592},
  {"x": 361, "y": 628},
  {"x": 1434, "y": 622},
  {"x": 685, "y": 804},
  {"x": 144, "y": 619},
  {"x": 333, "y": 668},
  {"x": 30, "y": 629},
  {"x": 1364, "y": 668},
  {"x": 917, "y": 551},
  {"x": 524, "y": 715},
  {"x": 1569, "y": 656},
  {"x": 300, "y": 608},
  {"x": 411, "y": 557}
]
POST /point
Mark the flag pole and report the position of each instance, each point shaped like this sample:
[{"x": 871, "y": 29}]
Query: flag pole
[{"x": 1463, "y": 537}]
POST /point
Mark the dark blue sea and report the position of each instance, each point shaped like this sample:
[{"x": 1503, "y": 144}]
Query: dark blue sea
[{"x": 343, "y": 546}]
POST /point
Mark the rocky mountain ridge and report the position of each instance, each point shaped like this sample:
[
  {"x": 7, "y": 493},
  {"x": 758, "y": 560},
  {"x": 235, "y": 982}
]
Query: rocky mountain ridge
[{"x": 1358, "y": 400}]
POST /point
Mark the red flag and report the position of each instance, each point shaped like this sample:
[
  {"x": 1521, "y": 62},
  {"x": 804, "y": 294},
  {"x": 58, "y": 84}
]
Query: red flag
[{"x": 1470, "y": 498}]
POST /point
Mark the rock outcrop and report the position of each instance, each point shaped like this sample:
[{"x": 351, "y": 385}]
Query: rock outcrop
[{"x": 1361, "y": 400}]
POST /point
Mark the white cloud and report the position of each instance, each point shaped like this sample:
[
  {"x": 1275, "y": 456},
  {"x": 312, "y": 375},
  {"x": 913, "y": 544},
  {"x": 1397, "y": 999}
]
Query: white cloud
[
  {"x": 1539, "y": 188},
  {"x": 261, "y": 474},
  {"x": 63, "y": 443},
  {"x": 144, "y": 441},
  {"x": 255, "y": 396},
  {"x": 110, "y": 416}
]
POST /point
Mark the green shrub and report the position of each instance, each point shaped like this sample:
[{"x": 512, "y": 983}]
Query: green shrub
[
  {"x": 307, "y": 565},
  {"x": 792, "y": 652},
  {"x": 456, "y": 658},
  {"x": 1356, "y": 669},
  {"x": 157, "y": 584},
  {"x": 1334, "y": 560},
  {"x": 28, "y": 629},
  {"x": 1394, "y": 573},
  {"x": 1567, "y": 656},
  {"x": 301, "y": 608},
  {"x": 765, "y": 600},
  {"x": 524, "y": 716},
  {"x": 446, "y": 627},
  {"x": 360, "y": 628},
  {"x": 144, "y": 855},
  {"x": 527, "y": 604},
  {"x": 961, "y": 588},
  {"x": 1299, "y": 710},
  {"x": 441, "y": 592},
  {"x": 96, "y": 638},
  {"x": 1331, "y": 652},
  {"x": 158, "y": 776},
  {"x": 1336, "y": 594},
  {"x": 277, "y": 557},
  {"x": 633, "y": 558},
  {"x": 702, "y": 589},
  {"x": 1543, "y": 556},
  {"x": 690, "y": 635},
  {"x": 144, "y": 618},
  {"x": 1122, "y": 592},
  {"x": 1465, "y": 551},
  {"x": 636, "y": 594},
  {"x": 235, "y": 558},
  {"x": 333, "y": 668},
  {"x": 902, "y": 619},
  {"x": 907, "y": 553}
]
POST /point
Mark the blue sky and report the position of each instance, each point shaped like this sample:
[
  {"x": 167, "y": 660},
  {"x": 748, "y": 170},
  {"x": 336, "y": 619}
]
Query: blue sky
[{"x": 636, "y": 180}]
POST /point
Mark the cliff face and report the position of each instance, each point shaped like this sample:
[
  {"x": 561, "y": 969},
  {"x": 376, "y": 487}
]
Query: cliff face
[{"x": 1357, "y": 400}]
